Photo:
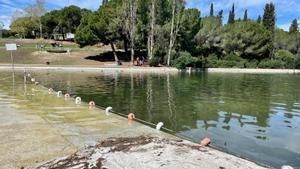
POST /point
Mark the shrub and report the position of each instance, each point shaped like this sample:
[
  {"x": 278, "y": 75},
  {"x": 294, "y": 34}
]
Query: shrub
[
  {"x": 232, "y": 57},
  {"x": 154, "y": 62},
  {"x": 212, "y": 61},
  {"x": 297, "y": 62},
  {"x": 251, "y": 64},
  {"x": 287, "y": 57},
  {"x": 272, "y": 64},
  {"x": 185, "y": 59}
]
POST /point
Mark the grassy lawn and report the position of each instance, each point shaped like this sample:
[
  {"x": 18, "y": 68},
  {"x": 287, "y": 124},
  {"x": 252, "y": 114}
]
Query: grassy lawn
[{"x": 27, "y": 53}]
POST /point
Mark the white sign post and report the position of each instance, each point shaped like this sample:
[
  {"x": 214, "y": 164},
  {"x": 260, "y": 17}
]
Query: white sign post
[{"x": 12, "y": 47}]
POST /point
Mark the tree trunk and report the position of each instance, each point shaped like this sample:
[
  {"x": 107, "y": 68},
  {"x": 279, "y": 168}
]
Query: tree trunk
[
  {"x": 171, "y": 33},
  {"x": 41, "y": 28},
  {"x": 125, "y": 46},
  {"x": 151, "y": 36},
  {"x": 114, "y": 52},
  {"x": 132, "y": 27}
]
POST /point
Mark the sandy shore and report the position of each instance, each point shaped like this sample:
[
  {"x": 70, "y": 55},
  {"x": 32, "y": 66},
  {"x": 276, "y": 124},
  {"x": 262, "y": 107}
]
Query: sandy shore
[
  {"x": 106, "y": 68},
  {"x": 253, "y": 71}
]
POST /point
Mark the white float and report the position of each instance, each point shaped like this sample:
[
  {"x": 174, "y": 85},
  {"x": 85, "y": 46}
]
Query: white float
[
  {"x": 159, "y": 125},
  {"x": 78, "y": 100},
  {"x": 59, "y": 94},
  {"x": 108, "y": 109}
]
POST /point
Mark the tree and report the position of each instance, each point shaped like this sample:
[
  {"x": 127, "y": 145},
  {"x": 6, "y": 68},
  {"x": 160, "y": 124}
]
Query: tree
[
  {"x": 36, "y": 11},
  {"x": 269, "y": 17},
  {"x": 133, "y": 9},
  {"x": 208, "y": 38},
  {"x": 269, "y": 22},
  {"x": 190, "y": 25},
  {"x": 152, "y": 27},
  {"x": 294, "y": 28},
  {"x": 220, "y": 16},
  {"x": 1, "y": 28},
  {"x": 211, "y": 10},
  {"x": 70, "y": 18},
  {"x": 246, "y": 39},
  {"x": 102, "y": 26},
  {"x": 25, "y": 26},
  {"x": 51, "y": 21},
  {"x": 231, "y": 17},
  {"x": 258, "y": 19},
  {"x": 246, "y": 15},
  {"x": 104, "y": 2},
  {"x": 177, "y": 7}
]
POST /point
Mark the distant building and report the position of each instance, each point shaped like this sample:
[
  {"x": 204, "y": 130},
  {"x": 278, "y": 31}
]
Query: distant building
[{"x": 70, "y": 36}]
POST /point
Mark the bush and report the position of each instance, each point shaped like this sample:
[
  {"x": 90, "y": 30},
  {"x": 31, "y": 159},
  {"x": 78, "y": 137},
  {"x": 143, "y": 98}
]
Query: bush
[
  {"x": 297, "y": 62},
  {"x": 232, "y": 57},
  {"x": 271, "y": 64},
  {"x": 251, "y": 64},
  {"x": 185, "y": 59},
  {"x": 212, "y": 61},
  {"x": 287, "y": 57},
  {"x": 154, "y": 62}
]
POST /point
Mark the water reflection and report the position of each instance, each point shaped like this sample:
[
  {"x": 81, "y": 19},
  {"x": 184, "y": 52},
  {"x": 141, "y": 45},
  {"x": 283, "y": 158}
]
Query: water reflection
[{"x": 254, "y": 116}]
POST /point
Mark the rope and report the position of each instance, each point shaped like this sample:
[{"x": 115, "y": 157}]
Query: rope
[{"x": 5, "y": 78}]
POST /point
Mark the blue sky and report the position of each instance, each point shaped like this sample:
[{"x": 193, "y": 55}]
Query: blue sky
[{"x": 286, "y": 10}]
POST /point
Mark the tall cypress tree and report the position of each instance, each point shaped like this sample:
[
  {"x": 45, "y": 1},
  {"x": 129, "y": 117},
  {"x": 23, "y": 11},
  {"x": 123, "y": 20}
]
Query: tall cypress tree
[
  {"x": 231, "y": 15},
  {"x": 258, "y": 19},
  {"x": 246, "y": 15},
  {"x": 211, "y": 10},
  {"x": 269, "y": 23},
  {"x": 294, "y": 28},
  {"x": 269, "y": 17},
  {"x": 220, "y": 16},
  {"x": 104, "y": 2}
]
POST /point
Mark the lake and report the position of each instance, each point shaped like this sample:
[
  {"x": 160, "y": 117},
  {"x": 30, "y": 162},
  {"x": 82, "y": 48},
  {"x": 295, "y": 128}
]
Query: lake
[{"x": 249, "y": 115}]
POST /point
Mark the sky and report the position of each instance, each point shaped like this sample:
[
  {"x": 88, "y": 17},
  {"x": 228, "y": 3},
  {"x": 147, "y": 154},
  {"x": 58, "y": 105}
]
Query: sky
[{"x": 286, "y": 10}]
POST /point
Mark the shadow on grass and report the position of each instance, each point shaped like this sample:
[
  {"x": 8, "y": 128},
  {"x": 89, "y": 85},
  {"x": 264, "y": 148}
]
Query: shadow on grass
[{"x": 109, "y": 56}]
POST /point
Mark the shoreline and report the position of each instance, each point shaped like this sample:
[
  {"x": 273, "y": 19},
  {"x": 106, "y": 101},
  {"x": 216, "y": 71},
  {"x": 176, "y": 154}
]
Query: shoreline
[{"x": 135, "y": 69}]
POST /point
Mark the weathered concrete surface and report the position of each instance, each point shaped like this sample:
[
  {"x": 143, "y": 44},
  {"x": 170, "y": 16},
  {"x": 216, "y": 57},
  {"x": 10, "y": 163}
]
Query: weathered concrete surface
[
  {"x": 36, "y": 126},
  {"x": 148, "y": 152}
]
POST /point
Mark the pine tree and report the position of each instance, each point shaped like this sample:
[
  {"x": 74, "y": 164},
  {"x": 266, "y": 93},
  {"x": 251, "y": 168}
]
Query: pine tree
[
  {"x": 294, "y": 28},
  {"x": 269, "y": 17},
  {"x": 246, "y": 15},
  {"x": 231, "y": 15},
  {"x": 258, "y": 19},
  {"x": 211, "y": 9}
]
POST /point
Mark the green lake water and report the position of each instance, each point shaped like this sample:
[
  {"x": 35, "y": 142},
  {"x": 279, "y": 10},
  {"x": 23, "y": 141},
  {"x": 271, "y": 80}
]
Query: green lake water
[{"x": 253, "y": 116}]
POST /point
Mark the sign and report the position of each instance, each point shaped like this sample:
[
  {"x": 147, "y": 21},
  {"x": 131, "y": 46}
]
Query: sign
[{"x": 11, "y": 47}]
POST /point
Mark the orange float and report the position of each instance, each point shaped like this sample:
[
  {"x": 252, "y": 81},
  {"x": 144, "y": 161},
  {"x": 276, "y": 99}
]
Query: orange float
[
  {"x": 67, "y": 96},
  {"x": 131, "y": 116},
  {"x": 205, "y": 142},
  {"x": 92, "y": 104}
]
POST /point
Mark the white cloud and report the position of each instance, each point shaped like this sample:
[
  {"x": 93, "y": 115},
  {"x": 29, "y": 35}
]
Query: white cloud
[{"x": 285, "y": 26}]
